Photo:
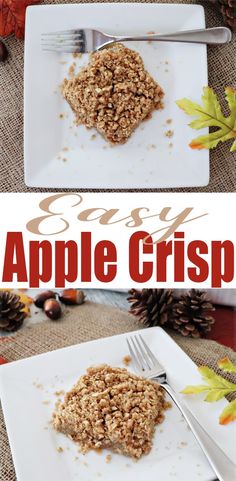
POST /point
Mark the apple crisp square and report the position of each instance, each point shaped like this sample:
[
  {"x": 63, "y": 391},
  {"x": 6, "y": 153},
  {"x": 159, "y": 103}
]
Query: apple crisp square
[
  {"x": 112, "y": 408},
  {"x": 113, "y": 93}
]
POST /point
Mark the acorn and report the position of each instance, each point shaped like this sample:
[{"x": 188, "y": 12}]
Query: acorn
[
  {"x": 71, "y": 297},
  {"x": 42, "y": 297},
  {"x": 52, "y": 309}
]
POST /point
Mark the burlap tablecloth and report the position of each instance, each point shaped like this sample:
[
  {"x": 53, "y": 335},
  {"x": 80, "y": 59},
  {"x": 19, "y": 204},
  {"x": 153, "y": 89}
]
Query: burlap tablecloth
[
  {"x": 80, "y": 324},
  {"x": 222, "y": 72}
]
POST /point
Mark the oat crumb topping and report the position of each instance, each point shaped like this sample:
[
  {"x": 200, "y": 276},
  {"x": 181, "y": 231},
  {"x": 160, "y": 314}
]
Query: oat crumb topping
[
  {"x": 112, "y": 408},
  {"x": 113, "y": 93}
]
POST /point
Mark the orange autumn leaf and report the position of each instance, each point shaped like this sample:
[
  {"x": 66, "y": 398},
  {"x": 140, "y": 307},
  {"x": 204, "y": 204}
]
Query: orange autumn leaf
[
  {"x": 12, "y": 16},
  {"x": 229, "y": 413},
  {"x": 196, "y": 145}
]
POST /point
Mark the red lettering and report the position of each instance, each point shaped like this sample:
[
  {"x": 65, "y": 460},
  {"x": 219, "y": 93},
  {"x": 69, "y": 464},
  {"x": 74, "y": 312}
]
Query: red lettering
[
  {"x": 66, "y": 269},
  {"x": 14, "y": 250},
  {"x": 201, "y": 271},
  {"x": 222, "y": 262},
  {"x": 105, "y": 257},
  {"x": 40, "y": 254},
  {"x": 140, "y": 271}
]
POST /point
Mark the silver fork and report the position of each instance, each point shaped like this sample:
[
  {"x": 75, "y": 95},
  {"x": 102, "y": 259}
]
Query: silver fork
[
  {"x": 88, "y": 40},
  {"x": 147, "y": 365}
]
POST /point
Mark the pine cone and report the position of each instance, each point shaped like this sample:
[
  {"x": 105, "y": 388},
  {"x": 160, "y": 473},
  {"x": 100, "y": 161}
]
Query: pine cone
[
  {"x": 11, "y": 315},
  {"x": 228, "y": 11},
  {"x": 190, "y": 314},
  {"x": 151, "y": 306}
]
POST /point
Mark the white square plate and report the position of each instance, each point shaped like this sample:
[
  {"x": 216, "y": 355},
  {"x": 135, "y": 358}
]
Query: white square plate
[
  {"x": 58, "y": 154},
  {"x": 28, "y": 386}
]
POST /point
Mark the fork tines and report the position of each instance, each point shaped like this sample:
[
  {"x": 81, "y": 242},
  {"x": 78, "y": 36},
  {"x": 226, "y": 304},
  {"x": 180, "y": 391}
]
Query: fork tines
[{"x": 68, "y": 41}]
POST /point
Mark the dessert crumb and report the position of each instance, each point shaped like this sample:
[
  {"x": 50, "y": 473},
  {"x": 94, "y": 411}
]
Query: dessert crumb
[
  {"x": 71, "y": 70},
  {"x": 127, "y": 360},
  {"x": 150, "y": 33},
  {"x": 65, "y": 149},
  {"x": 60, "y": 449},
  {"x": 169, "y": 133},
  {"x": 169, "y": 121},
  {"x": 38, "y": 385},
  {"x": 46, "y": 402},
  {"x": 108, "y": 458},
  {"x": 61, "y": 116},
  {"x": 62, "y": 62},
  {"x": 77, "y": 55},
  {"x": 171, "y": 145},
  {"x": 93, "y": 137},
  {"x": 59, "y": 393}
]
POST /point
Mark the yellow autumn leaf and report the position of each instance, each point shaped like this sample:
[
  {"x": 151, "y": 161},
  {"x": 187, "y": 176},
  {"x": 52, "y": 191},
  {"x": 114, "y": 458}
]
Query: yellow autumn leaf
[
  {"x": 210, "y": 114},
  {"x": 26, "y": 300},
  {"x": 226, "y": 365},
  {"x": 228, "y": 415}
]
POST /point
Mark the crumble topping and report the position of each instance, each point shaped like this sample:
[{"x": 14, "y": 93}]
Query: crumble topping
[
  {"x": 113, "y": 93},
  {"x": 111, "y": 408}
]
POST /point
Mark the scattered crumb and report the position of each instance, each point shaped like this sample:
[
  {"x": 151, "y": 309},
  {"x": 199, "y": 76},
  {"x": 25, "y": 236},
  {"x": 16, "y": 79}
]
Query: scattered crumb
[
  {"x": 169, "y": 121},
  {"x": 150, "y": 33},
  {"x": 64, "y": 159},
  {"x": 62, "y": 62},
  {"x": 169, "y": 133},
  {"x": 152, "y": 146},
  {"x": 57, "y": 404},
  {"x": 166, "y": 62},
  {"x": 38, "y": 385},
  {"x": 65, "y": 149},
  {"x": 166, "y": 70},
  {"x": 46, "y": 402},
  {"x": 59, "y": 393},
  {"x": 183, "y": 443},
  {"x": 127, "y": 360},
  {"x": 77, "y": 55},
  {"x": 60, "y": 449},
  {"x": 108, "y": 458},
  {"x": 61, "y": 116},
  {"x": 76, "y": 458},
  {"x": 93, "y": 137},
  {"x": 71, "y": 70},
  {"x": 171, "y": 145}
]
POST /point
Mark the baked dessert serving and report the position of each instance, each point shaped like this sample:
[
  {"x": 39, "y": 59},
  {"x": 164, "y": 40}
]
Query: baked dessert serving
[
  {"x": 112, "y": 408},
  {"x": 113, "y": 93}
]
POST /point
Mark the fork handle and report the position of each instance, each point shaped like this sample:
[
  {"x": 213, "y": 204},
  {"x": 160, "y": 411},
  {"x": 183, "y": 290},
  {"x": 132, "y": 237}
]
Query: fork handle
[
  {"x": 221, "y": 464},
  {"x": 209, "y": 36}
]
